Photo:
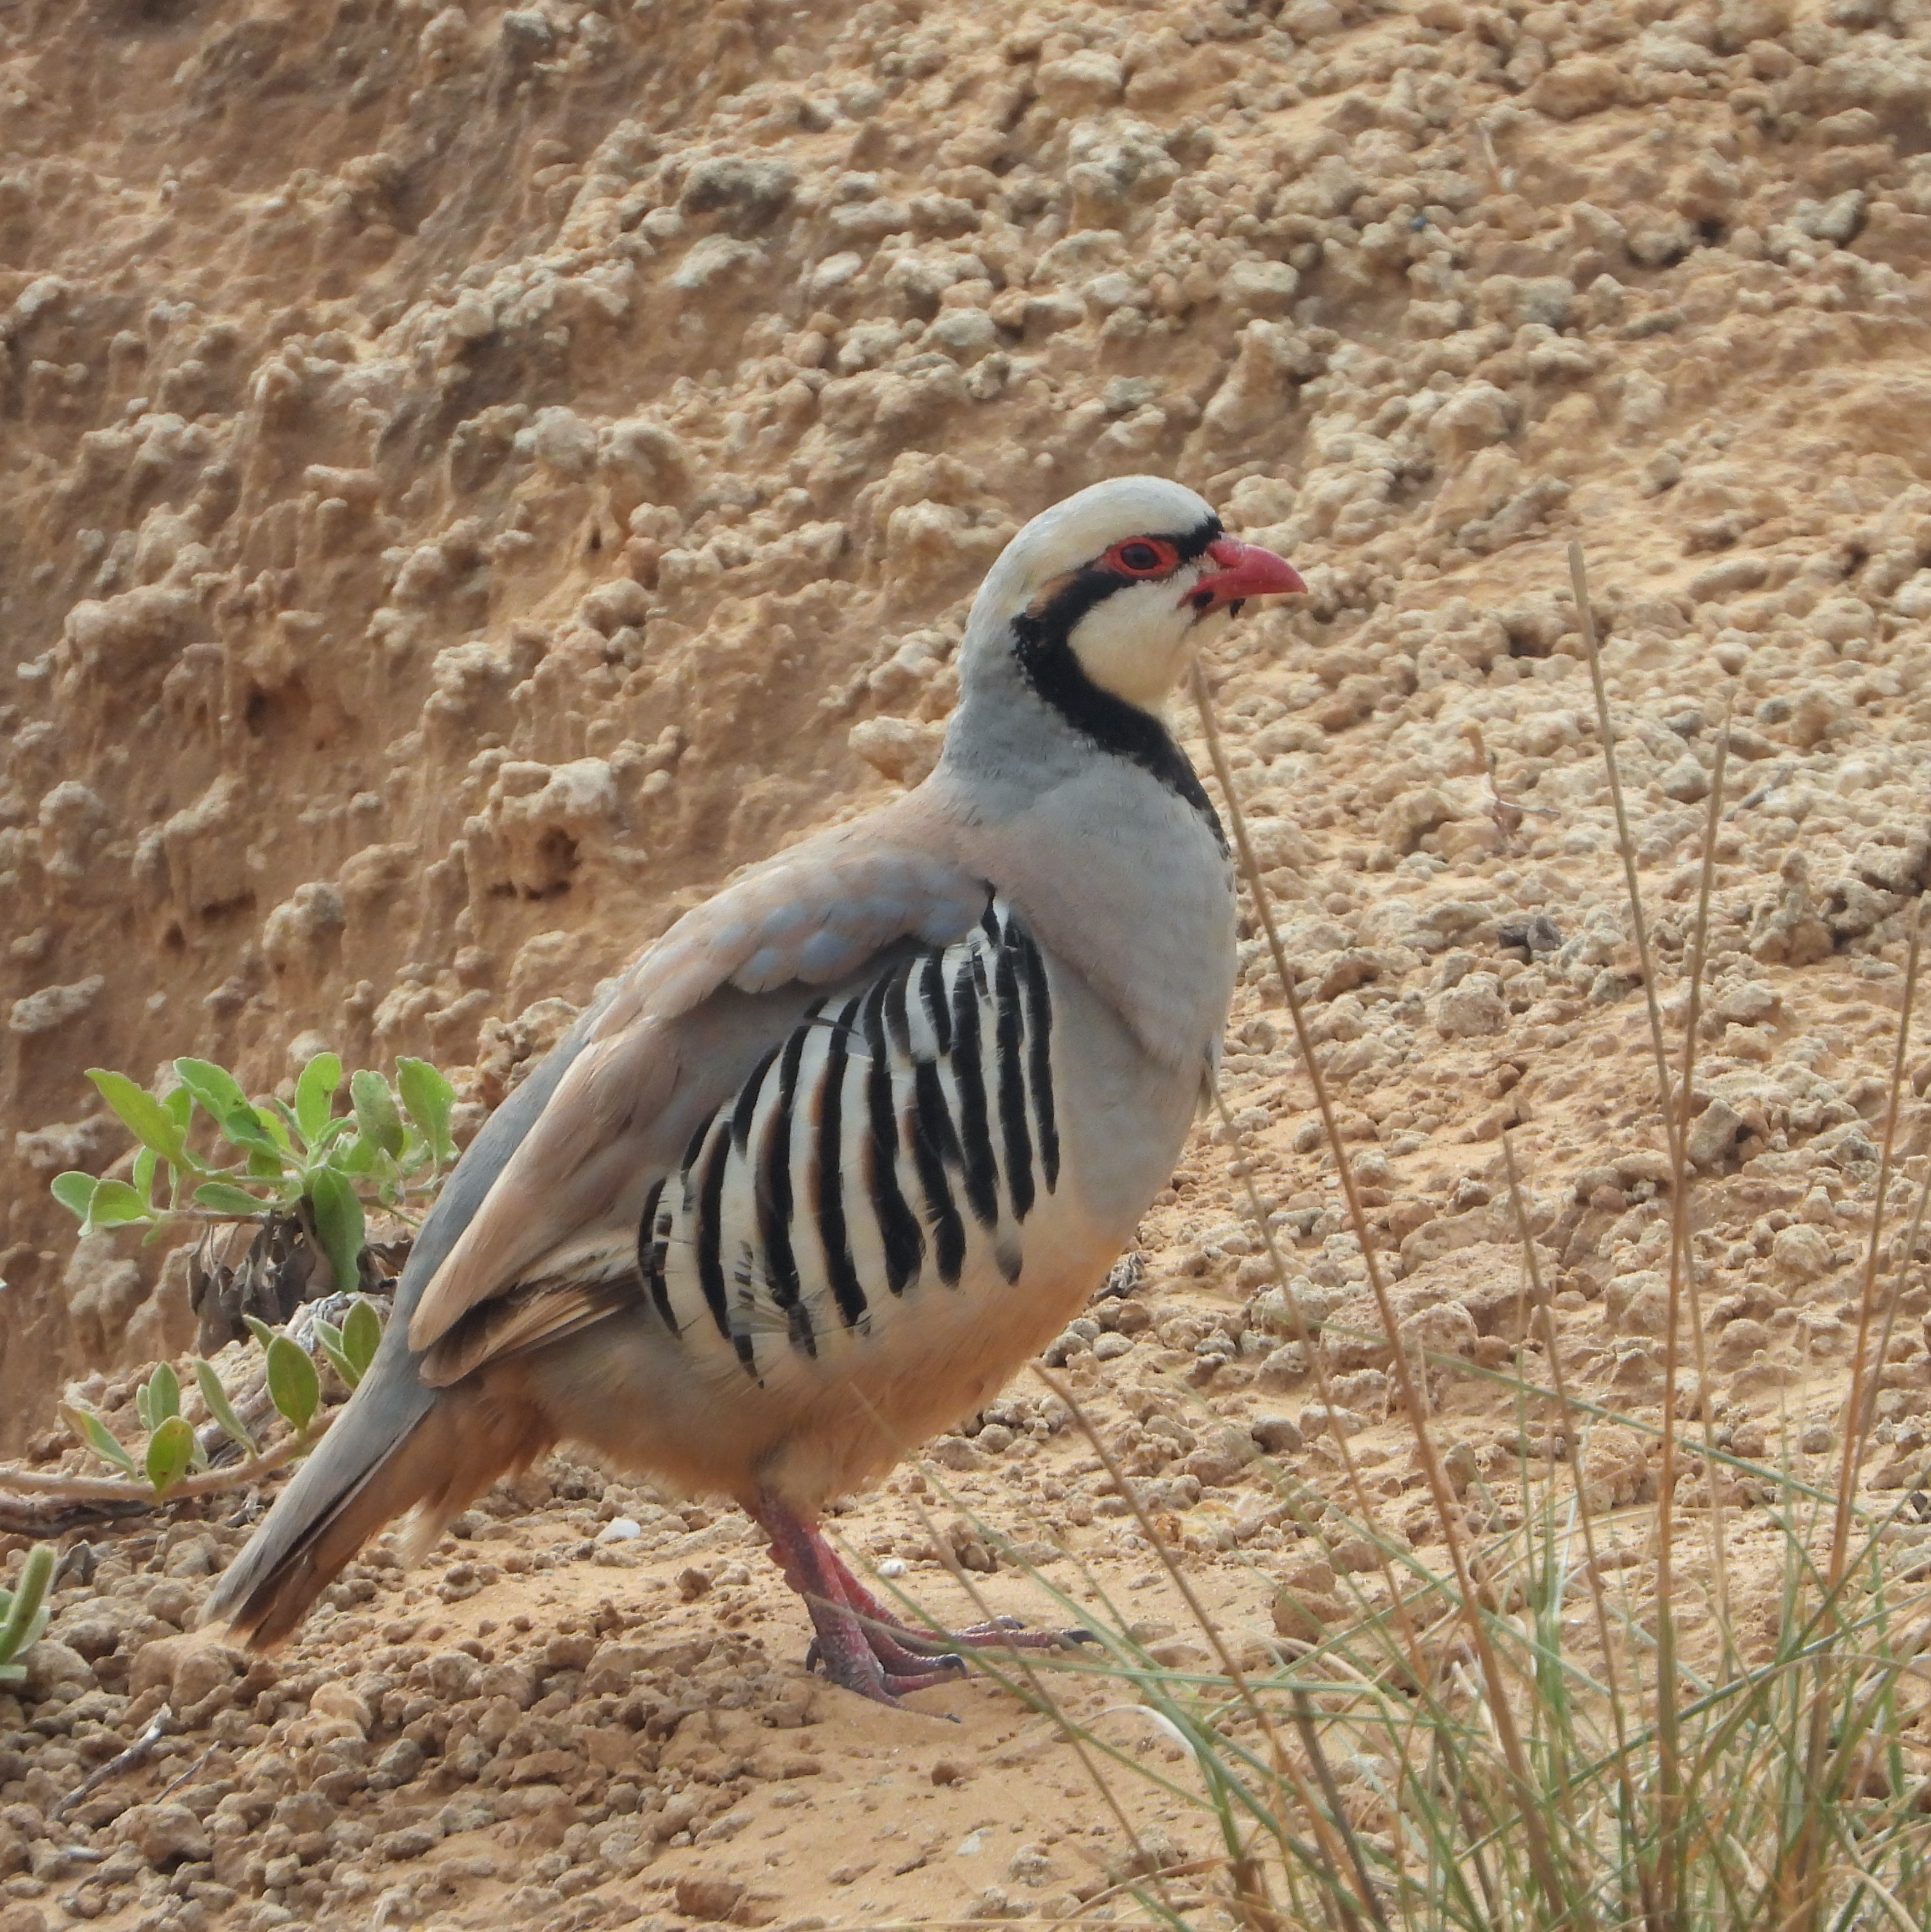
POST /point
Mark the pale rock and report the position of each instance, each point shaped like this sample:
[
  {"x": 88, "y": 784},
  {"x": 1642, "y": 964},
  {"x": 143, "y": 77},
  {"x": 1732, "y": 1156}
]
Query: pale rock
[
  {"x": 716, "y": 259},
  {"x": 102, "y": 1291},
  {"x": 538, "y": 822},
  {"x": 1473, "y": 1008},
  {"x": 901, "y": 749},
  {"x": 1475, "y": 416},
  {"x": 53, "y": 1007},
  {"x": 1089, "y": 78},
  {"x": 1714, "y": 1133},
  {"x": 165, "y": 1834},
  {"x": 1637, "y": 1302},
  {"x": 1801, "y": 1252}
]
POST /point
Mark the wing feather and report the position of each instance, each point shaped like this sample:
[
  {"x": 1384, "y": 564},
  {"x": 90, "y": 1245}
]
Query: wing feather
[{"x": 681, "y": 1028}]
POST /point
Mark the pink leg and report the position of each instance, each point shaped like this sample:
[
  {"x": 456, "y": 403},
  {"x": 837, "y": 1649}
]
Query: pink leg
[{"x": 854, "y": 1655}]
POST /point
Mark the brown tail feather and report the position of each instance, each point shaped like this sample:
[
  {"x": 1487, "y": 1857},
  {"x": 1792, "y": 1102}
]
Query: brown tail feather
[{"x": 472, "y": 1435}]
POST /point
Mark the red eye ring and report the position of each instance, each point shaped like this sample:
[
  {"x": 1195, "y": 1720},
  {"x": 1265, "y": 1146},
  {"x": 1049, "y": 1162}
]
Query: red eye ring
[{"x": 1142, "y": 558}]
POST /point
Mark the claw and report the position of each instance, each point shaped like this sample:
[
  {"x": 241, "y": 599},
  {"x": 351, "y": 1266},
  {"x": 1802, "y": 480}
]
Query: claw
[{"x": 859, "y": 1644}]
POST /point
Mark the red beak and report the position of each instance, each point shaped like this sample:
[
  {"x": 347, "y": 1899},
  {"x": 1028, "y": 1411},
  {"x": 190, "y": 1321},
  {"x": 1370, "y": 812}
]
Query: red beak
[{"x": 1245, "y": 570}]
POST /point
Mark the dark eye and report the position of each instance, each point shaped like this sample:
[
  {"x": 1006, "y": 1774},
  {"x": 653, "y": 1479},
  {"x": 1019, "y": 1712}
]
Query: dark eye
[{"x": 1142, "y": 557}]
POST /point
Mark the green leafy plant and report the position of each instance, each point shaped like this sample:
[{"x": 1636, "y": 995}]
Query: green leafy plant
[
  {"x": 23, "y": 1612},
  {"x": 391, "y": 1148},
  {"x": 170, "y": 1449}
]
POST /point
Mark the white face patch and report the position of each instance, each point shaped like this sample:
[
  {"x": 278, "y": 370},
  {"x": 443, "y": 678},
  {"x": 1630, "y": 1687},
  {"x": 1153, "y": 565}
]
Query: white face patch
[{"x": 1135, "y": 643}]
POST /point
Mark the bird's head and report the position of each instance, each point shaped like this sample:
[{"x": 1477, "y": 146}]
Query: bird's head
[{"x": 1107, "y": 591}]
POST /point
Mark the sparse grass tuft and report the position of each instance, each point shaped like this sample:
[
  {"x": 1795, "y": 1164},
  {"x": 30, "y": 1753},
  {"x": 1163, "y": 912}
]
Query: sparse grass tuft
[{"x": 1554, "y": 1717}]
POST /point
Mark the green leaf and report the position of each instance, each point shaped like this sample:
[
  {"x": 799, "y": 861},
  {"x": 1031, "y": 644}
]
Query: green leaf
[
  {"x": 361, "y": 1334},
  {"x": 116, "y": 1204},
  {"x": 217, "y": 1089},
  {"x": 154, "y": 1126},
  {"x": 239, "y": 1120},
  {"x": 330, "y": 1340},
  {"x": 23, "y": 1611},
  {"x": 315, "y": 1094},
  {"x": 332, "y": 1132},
  {"x": 219, "y": 1407},
  {"x": 163, "y": 1393},
  {"x": 75, "y": 1192},
  {"x": 97, "y": 1436},
  {"x": 357, "y": 1157},
  {"x": 338, "y": 1226},
  {"x": 143, "y": 1408},
  {"x": 375, "y": 1111},
  {"x": 431, "y": 1100},
  {"x": 146, "y": 1164},
  {"x": 218, "y": 1197},
  {"x": 170, "y": 1453},
  {"x": 293, "y": 1385},
  {"x": 260, "y": 1330},
  {"x": 266, "y": 1161}
]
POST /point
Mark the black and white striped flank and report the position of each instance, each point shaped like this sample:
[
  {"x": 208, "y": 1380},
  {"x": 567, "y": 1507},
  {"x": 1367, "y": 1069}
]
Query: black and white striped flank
[{"x": 894, "y": 1142}]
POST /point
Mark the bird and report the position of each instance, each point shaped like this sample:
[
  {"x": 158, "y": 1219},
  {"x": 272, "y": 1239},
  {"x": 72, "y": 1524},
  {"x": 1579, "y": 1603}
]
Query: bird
[{"x": 816, "y": 1174}]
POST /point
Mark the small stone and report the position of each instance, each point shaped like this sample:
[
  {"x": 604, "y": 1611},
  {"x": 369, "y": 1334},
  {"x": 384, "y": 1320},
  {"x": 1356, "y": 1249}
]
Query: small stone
[
  {"x": 693, "y": 1583},
  {"x": 163, "y": 1835},
  {"x": 702, "y": 1896},
  {"x": 1714, "y": 1134},
  {"x": 49, "y": 1665},
  {"x": 620, "y": 1529},
  {"x": 1471, "y": 1008},
  {"x": 947, "y": 1771},
  {"x": 1752, "y": 1003},
  {"x": 1307, "y": 1616},
  {"x": 1685, "y": 781},
  {"x": 1110, "y": 1348},
  {"x": 1801, "y": 1252},
  {"x": 1277, "y": 1434},
  {"x": 1739, "y": 1342},
  {"x": 1317, "y": 1419},
  {"x": 1223, "y": 1452}
]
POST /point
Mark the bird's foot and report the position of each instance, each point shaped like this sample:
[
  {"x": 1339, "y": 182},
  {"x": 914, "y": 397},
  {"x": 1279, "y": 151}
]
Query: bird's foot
[
  {"x": 863, "y": 1646},
  {"x": 869, "y": 1661},
  {"x": 996, "y": 1634}
]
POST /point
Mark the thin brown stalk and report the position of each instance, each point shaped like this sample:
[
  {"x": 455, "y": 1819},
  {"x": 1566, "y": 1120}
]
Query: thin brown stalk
[
  {"x": 1586, "y": 1517},
  {"x": 1803, "y": 1887},
  {"x": 1317, "y": 1363},
  {"x": 1541, "y": 1851},
  {"x": 1670, "y": 1796},
  {"x": 1625, "y": 843},
  {"x": 81, "y": 1490},
  {"x": 1323, "y": 1773},
  {"x": 1882, "y": 1354},
  {"x": 1856, "y": 1420},
  {"x": 1283, "y": 1765}
]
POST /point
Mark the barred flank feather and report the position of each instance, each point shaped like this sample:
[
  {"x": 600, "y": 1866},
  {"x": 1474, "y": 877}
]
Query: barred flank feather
[{"x": 883, "y": 1144}]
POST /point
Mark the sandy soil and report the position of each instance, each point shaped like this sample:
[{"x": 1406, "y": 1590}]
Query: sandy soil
[{"x": 473, "y": 478}]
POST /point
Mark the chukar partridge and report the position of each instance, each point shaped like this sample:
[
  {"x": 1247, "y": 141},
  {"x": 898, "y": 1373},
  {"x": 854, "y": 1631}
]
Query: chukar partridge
[{"x": 835, "y": 1155}]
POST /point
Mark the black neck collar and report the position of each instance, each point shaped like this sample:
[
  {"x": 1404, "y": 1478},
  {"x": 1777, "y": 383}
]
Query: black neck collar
[{"x": 1043, "y": 650}]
